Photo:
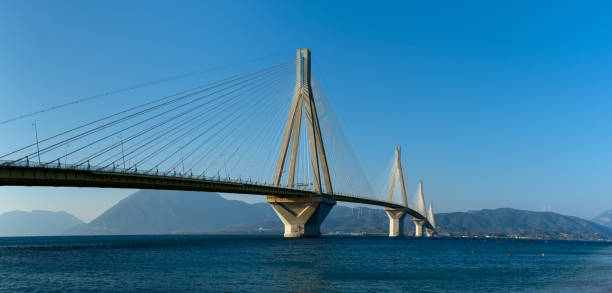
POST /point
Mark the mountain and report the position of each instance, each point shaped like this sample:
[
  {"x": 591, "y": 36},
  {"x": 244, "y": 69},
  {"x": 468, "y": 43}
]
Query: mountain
[
  {"x": 158, "y": 212},
  {"x": 164, "y": 211},
  {"x": 604, "y": 219},
  {"x": 503, "y": 222},
  {"x": 359, "y": 219},
  {"x": 506, "y": 221},
  {"x": 36, "y": 223}
]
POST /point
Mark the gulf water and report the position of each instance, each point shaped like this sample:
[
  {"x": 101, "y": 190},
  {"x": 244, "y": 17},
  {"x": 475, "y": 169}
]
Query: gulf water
[{"x": 239, "y": 263}]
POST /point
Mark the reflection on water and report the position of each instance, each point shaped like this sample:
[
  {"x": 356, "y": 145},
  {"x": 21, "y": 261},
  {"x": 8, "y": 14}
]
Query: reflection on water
[{"x": 259, "y": 263}]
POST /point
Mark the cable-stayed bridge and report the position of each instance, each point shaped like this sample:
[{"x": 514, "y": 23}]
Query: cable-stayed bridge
[{"x": 266, "y": 132}]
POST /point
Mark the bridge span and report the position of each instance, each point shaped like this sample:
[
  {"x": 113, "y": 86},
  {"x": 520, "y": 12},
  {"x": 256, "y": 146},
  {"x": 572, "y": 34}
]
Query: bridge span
[
  {"x": 70, "y": 176},
  {"x": 302, "y": 156}
]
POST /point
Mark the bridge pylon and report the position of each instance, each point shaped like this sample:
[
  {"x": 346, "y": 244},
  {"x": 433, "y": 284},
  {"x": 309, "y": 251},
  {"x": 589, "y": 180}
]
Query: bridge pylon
[
  {"x": 396, "y": 216},
  {"x": 430, "y": 217},
  {"x": 420, "y": 208},
  {"x": 302, "y": 217}
]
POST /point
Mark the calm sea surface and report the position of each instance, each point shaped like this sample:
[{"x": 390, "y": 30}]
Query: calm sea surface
[{"x": 330, "y": 264}]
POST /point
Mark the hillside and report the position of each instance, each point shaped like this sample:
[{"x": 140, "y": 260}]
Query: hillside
[
  {"x": 163, "y": 211},
  {"x": 36, "y": 223},
  {"x": 158, "y": 212},
  {"x": 506, "y": 221},
  {"x": 604, "y": 219}
]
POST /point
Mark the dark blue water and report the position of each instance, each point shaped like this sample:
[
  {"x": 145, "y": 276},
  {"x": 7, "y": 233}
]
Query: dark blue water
[{"x": 263, "y": 264}]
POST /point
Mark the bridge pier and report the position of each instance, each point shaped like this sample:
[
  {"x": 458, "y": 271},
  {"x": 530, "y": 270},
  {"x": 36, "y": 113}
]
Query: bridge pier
[
  {"x": 302, "y": 217},
  {"x": 396, "y": 221},
  {"x": 418, "y": 224},
  {"x": 429, "y": 232}
]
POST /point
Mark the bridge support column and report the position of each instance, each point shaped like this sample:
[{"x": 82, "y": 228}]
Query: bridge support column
[
  {"x": 429, "y": 232},
  {"x": 302, "y": 217},
  {"x": 418, "y": 224},
  {"x": 396, "y": 222}
]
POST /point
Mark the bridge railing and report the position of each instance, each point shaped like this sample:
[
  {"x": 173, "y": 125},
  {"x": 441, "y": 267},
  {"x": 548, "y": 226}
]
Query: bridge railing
[
  {"x": 173, "y": 174},
  {"x": 114, "y": 169}
]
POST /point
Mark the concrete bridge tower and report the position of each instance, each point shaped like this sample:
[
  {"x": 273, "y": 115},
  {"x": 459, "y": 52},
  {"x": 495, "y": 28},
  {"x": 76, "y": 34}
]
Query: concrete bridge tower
[
  {"x": 396, "y": 216},
  {"x": 432, "y": 221},
  {"x": 302, "y": 217},
  {"x": 420, "y": 208}
]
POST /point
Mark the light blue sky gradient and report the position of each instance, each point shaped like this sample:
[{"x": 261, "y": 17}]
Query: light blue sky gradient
[{"x": 495, "y": 104}]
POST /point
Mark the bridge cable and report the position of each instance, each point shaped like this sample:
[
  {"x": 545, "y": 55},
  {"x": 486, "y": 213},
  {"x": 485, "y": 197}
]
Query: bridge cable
[
  {"x": 188, "y": 120},
  {"x": 199, "y": 148},
  {"x": 191, "y": 141},
  {"x": 248, "y": 140},
  {"x": 263, "y": 131},
  {"x": 210, "y": 86},
  {"x": 230, "y": 138},
  {"x": 173, "y": 141},
  {"x": 133, "y": 87},
  {"x": 152, "y": 127},
  {"x": 46, "y": 149}
]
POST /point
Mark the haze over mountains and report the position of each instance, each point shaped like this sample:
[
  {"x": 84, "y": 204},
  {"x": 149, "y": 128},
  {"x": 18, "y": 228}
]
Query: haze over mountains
[
  {"x": 162, "y": 212},
  {"x": 507, "y": 221},
  {"x": 604, "y": 219},
  {"x": 36, "y": 223}
]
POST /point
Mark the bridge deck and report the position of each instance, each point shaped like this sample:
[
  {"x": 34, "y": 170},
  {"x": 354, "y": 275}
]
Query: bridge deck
[{"x": 46, "y": 176}]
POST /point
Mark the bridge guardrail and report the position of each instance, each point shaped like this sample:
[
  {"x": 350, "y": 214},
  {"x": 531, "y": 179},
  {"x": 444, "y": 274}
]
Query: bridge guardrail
[{"x": 172, "y": 174}]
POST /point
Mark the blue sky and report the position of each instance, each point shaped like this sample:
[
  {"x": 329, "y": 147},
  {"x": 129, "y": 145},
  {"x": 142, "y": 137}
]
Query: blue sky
[{"x": 494, "y": 104}]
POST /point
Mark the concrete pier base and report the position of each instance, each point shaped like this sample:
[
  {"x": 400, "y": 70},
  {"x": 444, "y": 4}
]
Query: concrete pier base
[
  {"x": 429, "y": 232},
  {"x": 396, "y": 221},
  {"x": 302, "y": 217},
  {"x": 418, "y": 224}
]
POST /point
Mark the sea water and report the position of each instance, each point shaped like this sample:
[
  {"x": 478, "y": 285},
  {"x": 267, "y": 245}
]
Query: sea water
[{"x": 243, "y": 263}]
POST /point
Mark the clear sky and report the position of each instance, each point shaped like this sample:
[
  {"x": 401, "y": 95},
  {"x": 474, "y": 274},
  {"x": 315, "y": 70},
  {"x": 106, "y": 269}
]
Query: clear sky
[{"x": 495, "y": 103}]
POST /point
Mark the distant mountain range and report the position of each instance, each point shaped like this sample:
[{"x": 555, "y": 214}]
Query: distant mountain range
[
  {"x": 155, "y": 212},
  {"x": 36, "y": 223},
  {"x": 604, "y": 219},
  {"x": 507, "y": 221},
  {"x": 162, "y": 212}
]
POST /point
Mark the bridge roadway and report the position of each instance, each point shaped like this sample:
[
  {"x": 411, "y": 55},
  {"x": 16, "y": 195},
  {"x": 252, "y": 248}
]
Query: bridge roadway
[{"x": 11, "y": 175}]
